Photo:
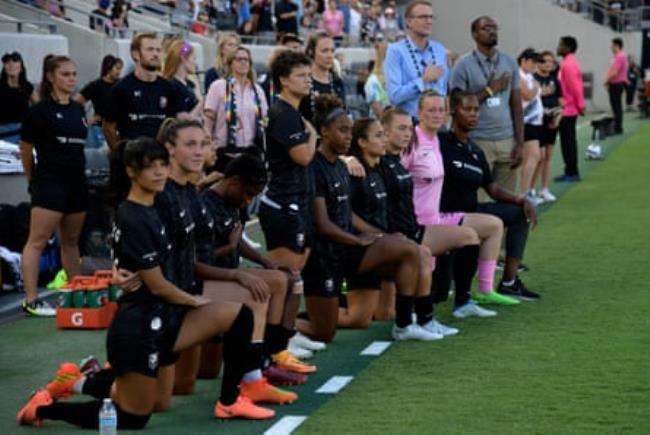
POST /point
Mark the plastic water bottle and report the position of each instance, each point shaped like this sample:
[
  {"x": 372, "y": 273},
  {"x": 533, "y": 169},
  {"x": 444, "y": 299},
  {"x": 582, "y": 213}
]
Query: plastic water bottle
[{"x": 107, "y": 418}]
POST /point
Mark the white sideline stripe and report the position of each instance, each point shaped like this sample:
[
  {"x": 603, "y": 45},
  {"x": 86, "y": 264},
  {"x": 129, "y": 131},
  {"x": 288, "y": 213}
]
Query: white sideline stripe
[
  {"x": 376, "y": 348},
  {"x": 334, "y": 384},
  {"x": 286, "y": 425}
]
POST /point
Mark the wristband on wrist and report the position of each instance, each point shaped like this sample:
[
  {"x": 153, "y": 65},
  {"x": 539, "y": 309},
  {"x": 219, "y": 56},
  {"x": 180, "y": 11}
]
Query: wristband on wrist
[{"x": 489, "y": 91}]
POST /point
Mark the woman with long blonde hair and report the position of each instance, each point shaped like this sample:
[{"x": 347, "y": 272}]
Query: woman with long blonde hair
[
  {"x": 227, "y": 43},
  {"x": 375, "y": 86},
  {"x": 180, "y": 70}
]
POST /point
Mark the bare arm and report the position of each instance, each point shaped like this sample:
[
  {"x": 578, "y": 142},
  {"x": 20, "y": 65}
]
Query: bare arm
[
  {"x": 500, "y": 194},
  {"x": 363, "y": 226},
  {"x": 325, "y": 227},
  {"x": 110, "y": 132},
  {"x": 304, "y": 153},
  {"x": 167, "y": 291},
  {"x": 27, "y": 157}
]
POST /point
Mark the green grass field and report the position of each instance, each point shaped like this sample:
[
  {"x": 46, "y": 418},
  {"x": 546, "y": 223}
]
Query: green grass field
[{"x": 575, "y": 362}]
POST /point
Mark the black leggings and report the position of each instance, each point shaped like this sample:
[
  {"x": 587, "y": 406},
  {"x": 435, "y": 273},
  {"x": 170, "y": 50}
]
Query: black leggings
[{"x": 515, "y": 223}]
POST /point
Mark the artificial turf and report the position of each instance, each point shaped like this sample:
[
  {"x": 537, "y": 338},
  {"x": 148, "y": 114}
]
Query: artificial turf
[{"x": 575, "y": 362}]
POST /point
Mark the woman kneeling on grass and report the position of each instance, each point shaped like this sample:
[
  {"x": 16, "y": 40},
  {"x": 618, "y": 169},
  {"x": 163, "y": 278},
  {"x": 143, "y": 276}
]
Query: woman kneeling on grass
[
  {"x": 156, "y": 322},
  {"x": 339, "y": 251}
]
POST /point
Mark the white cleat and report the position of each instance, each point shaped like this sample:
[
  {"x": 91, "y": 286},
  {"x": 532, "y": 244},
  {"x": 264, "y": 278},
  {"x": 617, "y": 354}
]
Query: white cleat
[
  {"x": 472, "y": 309},
  {"x": 300, "y": 340},
  {"x": 438, "y": 328},
  {"x": 300, "y": 352},
  {"x": 414, "y": 332}
]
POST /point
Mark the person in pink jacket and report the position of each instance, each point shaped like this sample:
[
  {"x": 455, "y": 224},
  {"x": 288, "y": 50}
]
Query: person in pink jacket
[{"x": 574, "y": 104}]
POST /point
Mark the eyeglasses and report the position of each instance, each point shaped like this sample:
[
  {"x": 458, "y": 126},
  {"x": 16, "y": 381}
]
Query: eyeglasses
[
  {"x": 242, "y": 59},
  {"x": 423, "y": 17}
]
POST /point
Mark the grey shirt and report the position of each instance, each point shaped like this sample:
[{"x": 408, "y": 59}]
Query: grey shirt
[{"x": 472, "y": 73}]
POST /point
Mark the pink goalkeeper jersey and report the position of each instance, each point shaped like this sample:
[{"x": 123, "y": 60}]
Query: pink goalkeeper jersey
[{"x": 428, "y": 172}]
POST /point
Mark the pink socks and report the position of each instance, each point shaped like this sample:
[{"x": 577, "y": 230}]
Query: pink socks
[{"x": 486, "y": 269}]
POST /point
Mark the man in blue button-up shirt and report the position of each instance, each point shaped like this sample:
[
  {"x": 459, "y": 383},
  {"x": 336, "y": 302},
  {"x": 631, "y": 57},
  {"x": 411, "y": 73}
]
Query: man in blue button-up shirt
[{"x": 417, "y": 63}]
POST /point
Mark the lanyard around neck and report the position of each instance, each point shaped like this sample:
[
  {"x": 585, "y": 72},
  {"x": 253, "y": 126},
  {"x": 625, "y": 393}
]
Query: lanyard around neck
[{"x": 422, "y": 64}]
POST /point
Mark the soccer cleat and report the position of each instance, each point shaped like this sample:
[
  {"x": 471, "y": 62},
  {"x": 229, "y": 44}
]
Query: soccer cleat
[
  {"x": 494, "y": 298},
  {"x": 287, "y": 361},
  {"x": 414, "y": 332},
  {"x": 27, "y": 415},
  {"x": 518, "y": 290},
  {"x": 438, "y": 328},
  {"x": 60, "y": 279},
  {"x": 533, "y": 198},
  {"x": 471, "y": 309},
  {"x": 547, "y": 196},
  {"x": 276, "y": 376},
  {"x": 38, "y": 308},
  {"x": 567, "y": 179},
  {"x": 305, "y": 342},
  {"x": 300, "y": 352},
  {"x": 61, "y": 386},
  {"x": 242, "y": 408},
  {"x": 260, "y": 391},
  {"x": 89, "y": 366}
]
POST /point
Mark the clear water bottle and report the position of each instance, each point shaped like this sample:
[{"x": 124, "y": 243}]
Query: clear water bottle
[{"x": 108, "y": 418}]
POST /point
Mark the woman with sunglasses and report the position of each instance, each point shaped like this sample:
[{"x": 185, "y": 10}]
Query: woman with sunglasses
[
  {"x": 16, "y": 94},
  {"x": 180, "y": 70}
]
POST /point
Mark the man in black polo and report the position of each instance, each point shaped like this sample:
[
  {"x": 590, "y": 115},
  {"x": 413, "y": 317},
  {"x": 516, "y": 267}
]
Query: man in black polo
[{"x": 142, "y": 100}]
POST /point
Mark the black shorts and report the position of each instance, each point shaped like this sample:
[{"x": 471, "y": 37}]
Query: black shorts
[
  {"x": 321, "y": 277},
  {"x": 286, "y": 228},
  {"x": 548, "y": 135},
  {"x": 141, "y": 338},
  {"x": 359, "y": 281},
  {"x": 532, "y": 132},
  {"x": 61, "y": 195}
]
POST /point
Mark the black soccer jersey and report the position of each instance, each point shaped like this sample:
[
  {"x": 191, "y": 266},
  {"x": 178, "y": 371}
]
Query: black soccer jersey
[
  {"x": 203, "y": 227},
  {"x": 139, "y": 242},
  {"x": 185, "y": 93},
  {"x": 335, "y": 87},
  {"x": 466, "y": 170},
  {"x": 224, "y": 217},
  {"x": 140, "y": 107},
  {"x": 369, "y": 198},
  {"x": 289, "y": 182},
  {"x": 58, "y": 132},
  {"x": 99, "y": 93},
  {"x": 399, "y": 187},
  {"x": 174, "y": 208}
]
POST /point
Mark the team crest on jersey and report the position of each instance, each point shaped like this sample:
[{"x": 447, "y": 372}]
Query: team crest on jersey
[
  {"x": 163, "y": 102},
  {"x": 156, "y": 324},
  {"x": 300, "y": 239},
  {"x": 153, "y": 361},
  {"x": 329, "y": 285}
]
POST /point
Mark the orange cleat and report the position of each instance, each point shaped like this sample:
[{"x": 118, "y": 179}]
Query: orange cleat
[
  {"x": 261, "y": 391},
  {"x": 287, "y": 361},
  {"x": 242, "y": 408},
  {"x": 61, "y": 386},
  {"x": 27, "y": 415}
]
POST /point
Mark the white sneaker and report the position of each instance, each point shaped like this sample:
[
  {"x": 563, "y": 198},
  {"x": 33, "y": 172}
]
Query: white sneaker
[
  {"x": 414, "y": 332},
  {"x": 533, "y": 198},
  {"x": 300, "y": 352},
  {"x": 304, "y": 342},
  {"x": 472, "y": 309},
  {"x": 253, "y": 244},
  {"x": 438, "y": 328},
  {"x": 547, "y": 196},
  {"x": 38, "y": 308}
]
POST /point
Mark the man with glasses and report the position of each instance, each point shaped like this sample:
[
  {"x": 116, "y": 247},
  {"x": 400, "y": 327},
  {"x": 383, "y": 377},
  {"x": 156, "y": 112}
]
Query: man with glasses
[
  {"x": 493, "y": 76},
  {"x": 415, "y": 64}
]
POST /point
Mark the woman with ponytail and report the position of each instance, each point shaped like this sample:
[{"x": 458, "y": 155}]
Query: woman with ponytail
[{"x": 56, "y": 129}]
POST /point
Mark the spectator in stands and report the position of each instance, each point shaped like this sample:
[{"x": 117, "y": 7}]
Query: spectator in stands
[
  {"x": 369, "y": 24},
  {"x": 53, "y": 7},
  {"x": 633, "y": 76},
  {"x": 616, "y": 82},
  {"x": 180, "y": 70},
  {"x": 226, "y": 45},
  {"x": 417, "y": 63},
  {"x": 100, "y": 19},
  {"x": 389, "y": 25},
  {"x": 202, "y": 24},
  {"x": 354, "y": 33},
  {"x": 375, "y": 88},
  {"x": 141, "y": 100},
  {"x": 244, "y": 18},
  {"x": 531, "y": 99},
  {"x": 16, "y": 94},
  {"x": 262, "y": 16},
  {"x": 98, "y": 92},
  {"x": 310, "y": 14},
  {"x": 324, "y": 80},
  {"x": 344, "y": 7},
  {"x": 552, "y": 100},
  {"x": 235, "y": 111},
  {"x": 56, "y": 129},
  {"x": 120, "y": 16},
  {"x": 332, "y": 22},
  {"x": 286, "y": 15},
  {"x": 574, "y": 104},
  {"x": 494, "y": 77}
]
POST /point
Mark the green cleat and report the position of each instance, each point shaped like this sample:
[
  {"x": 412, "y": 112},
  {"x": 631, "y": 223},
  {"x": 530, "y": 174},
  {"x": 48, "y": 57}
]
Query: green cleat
[
  {"x": 494, "y": 298},
  {"x": 59, "y": 280}
]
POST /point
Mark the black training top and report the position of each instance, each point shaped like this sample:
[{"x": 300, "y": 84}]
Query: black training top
[
  {"x": 335, "y": 87},
  {"x": 369, "y": 198},
  {"x": 58, "y": 132},
  {"x": 139, "y": 242},
  {"x": 332, "y": 183},
  {"x": 399, "y": 186},
  {"x": 185, "y": 94},
  {"x": 289, "y": 182},
  {"x": 174, "y": 208},
  {"x": 15, "y": 102},
  {"x": 99, "y": 93},
  {"x": 203, "y": 226},
  {"x": 224, "y": 217},
  {"x": 140, "y": 107},
  {"x": 553, "y": 100},
  {"x": 466, "y": 169}
]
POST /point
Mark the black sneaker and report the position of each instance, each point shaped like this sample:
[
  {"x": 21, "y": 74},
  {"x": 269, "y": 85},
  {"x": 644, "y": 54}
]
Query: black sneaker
[
  {"x": 501, "y": 265},
  {"x": 38, "y": 308},
  {"x": 518, "y": 290}
]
